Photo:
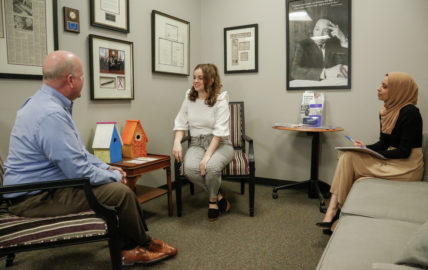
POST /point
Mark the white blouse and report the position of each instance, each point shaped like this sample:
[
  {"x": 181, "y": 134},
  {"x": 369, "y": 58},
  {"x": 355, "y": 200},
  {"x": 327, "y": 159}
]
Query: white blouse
[{"x": 201, "y": 119}]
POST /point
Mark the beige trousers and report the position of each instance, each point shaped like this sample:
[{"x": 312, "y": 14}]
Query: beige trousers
[
  {"x": 354, "y": 166},
  {"x": 211, "y": 181}
]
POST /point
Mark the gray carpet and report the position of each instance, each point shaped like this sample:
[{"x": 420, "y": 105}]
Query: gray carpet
[{"x": 281, "y": 235}]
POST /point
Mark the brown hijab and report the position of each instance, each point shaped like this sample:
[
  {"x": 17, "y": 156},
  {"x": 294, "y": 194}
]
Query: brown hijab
[{"x": 402, "y": 91}]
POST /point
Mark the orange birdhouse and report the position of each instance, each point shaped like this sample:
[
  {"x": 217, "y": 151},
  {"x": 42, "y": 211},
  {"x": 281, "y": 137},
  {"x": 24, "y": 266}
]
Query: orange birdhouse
[{"x": 134, "y": 140}]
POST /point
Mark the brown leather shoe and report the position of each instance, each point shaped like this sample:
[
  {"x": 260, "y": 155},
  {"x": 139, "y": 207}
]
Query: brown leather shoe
[
  {"x": 162, "y": 247},
  {"x": 141, "y": 255}
]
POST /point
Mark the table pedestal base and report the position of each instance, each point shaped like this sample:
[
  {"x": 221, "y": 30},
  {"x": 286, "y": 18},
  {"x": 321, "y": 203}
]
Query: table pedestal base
[{"x": 314, "y": 191}]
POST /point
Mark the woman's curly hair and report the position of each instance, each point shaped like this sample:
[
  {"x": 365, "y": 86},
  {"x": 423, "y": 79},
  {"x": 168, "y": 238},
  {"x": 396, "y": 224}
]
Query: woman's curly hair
[{"x": 210, "y": 73}]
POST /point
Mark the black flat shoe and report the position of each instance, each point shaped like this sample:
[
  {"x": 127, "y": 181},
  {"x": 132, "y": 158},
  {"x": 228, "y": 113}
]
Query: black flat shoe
[
  {"x": 223, "y": 204},
  {"x": 213, "y": 213},
  {"x": 327, "y": 231},
  {"x": 329, "y": 224}
]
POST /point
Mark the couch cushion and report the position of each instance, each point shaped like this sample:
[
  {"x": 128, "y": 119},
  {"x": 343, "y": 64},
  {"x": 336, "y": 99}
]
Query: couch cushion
[
  {"x": 407, "y": 201},
  {"x": 415, "y": 252},
  {"x": 358, "y": 242},
  {"x": 15, "y": 231}
]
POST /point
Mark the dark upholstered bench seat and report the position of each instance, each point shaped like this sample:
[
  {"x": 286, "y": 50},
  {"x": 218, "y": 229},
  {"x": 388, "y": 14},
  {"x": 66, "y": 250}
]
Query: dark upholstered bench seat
[
  {"x": 19, "y": 234},
  {"x": 21, "y": 231}
]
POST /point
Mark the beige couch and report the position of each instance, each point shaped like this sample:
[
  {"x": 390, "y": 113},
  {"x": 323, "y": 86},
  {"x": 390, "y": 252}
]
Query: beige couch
[
  {"x": 378, "y": 223},
  {"x": 383, "y": 226}
]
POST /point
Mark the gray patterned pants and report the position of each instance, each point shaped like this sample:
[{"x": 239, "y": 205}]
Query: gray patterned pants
[{"x": 211, "y": 181}]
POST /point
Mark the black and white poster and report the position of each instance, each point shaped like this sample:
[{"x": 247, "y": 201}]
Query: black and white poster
[{"x": 318, "y": 44}]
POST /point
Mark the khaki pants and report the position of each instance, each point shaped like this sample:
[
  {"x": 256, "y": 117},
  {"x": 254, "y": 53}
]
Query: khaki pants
[
  {"x": 72, "y": 200},
  {"x": 354, "y": 166}
]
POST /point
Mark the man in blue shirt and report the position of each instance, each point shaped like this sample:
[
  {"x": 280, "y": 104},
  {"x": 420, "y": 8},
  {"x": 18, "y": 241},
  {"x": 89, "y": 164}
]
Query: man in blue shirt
[{"x": 45, "y": 145}]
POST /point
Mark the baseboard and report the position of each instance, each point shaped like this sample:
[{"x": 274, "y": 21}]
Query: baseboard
[
  {"x": 325, "y": 188},
  {"x": 271, "y": 182}
]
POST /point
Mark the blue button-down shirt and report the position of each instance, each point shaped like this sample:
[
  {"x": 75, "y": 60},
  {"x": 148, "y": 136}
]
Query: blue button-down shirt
[{"x": 45, "y": 145}]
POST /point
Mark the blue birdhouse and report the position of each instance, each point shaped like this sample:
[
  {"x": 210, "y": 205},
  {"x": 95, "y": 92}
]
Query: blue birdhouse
[{"x": 107, "y": 142}]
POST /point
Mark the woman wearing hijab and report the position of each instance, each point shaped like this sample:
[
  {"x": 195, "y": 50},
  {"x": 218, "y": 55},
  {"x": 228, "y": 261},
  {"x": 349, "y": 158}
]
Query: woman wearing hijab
[{"x": 400, "y": 142}]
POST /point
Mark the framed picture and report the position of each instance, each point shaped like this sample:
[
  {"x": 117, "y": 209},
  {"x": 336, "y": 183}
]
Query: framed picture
[
  {"x": 30, "y": 32},
  {"x": 111, "y": 68},
  {"x": 170, "y": 44},
  {"x": 318, "y": 44},
  {"x": 71, "y": 20},
  {"x": 110, "y": 14},
  {"x": 1, "y": 20},
  {"x": 241, "y": 49}
]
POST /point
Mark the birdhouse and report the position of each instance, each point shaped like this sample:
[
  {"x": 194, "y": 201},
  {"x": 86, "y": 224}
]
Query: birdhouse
[
  {"x": 107, "y": 143},
  {"x": 134, "y": 140}
]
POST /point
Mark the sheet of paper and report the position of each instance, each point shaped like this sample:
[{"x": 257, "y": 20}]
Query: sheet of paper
[
  {"x": 146, "y": 159},
  {"x": 135, "y": 161}
]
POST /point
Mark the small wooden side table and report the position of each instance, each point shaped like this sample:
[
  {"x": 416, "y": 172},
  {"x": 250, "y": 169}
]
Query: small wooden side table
[
  {"x": 313, "y": 189},
  {"x": 145, "y": 193}
]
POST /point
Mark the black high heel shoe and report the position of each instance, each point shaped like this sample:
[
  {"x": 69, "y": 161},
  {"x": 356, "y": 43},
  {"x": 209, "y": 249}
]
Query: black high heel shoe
[
  {"x": 327, "y": 231},
  {"x": 213, "y": 213},
  {"x": 329, "y": 224}
]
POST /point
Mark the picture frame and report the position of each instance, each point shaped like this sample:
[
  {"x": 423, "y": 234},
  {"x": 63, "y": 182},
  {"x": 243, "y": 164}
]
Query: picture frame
[
  {"x": 30, "y": 33},
  {"x": 71, "y": 20},
  {"x": 111, "y": 68},
  {"x": 110, "y": 14},
  {"x": 1, "y": 20},
  {"x": 170, "y": 44},
  {"x": 241, "y": 49},
  {"x": 318, "y": 44}
]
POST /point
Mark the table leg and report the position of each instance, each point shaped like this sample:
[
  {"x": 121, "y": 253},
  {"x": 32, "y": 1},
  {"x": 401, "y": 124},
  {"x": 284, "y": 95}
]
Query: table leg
[
  {"x": 314, "y": 189},
  {"x": 314, "y": 164},
  {"x": 132, "y": 182},
  {"x": 169, "y": 184},
  {"x": 178, "y": 199}
]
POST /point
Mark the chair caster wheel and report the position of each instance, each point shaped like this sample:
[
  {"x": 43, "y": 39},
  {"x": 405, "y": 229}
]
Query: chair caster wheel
[{"x": 275, "y": 195}]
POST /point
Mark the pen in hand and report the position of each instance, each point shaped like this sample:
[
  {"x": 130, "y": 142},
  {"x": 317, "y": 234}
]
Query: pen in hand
[{"x": 356, "y": 143}]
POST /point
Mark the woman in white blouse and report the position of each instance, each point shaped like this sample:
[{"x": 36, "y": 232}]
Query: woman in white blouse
[{"x": 205, "y": 113}]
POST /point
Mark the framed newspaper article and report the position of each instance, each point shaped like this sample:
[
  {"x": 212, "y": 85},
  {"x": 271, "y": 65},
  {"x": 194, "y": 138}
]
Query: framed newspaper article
[
  {"x": 110, "y": 14},
  {"x": 1, "y": 20},
  {"x": 170, "y": 44},
  {"x": 318, "y": 42},
  {"x": 30, "y": 33},
  {"x": 241, "y": 49},
  {"x": 111, "y": 67}
]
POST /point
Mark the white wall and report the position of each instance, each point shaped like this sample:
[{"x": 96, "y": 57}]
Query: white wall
[{"x": 387, "y": 35}]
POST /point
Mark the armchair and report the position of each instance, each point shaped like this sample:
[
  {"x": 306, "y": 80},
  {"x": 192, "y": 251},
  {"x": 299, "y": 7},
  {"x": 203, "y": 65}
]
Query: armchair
[
  {"x": 241, "y": 168},
  {"x": 88, "y": 226}
]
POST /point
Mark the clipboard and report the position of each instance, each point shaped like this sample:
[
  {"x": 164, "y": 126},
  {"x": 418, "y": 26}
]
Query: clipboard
[{"x": 361, "y": 149}]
